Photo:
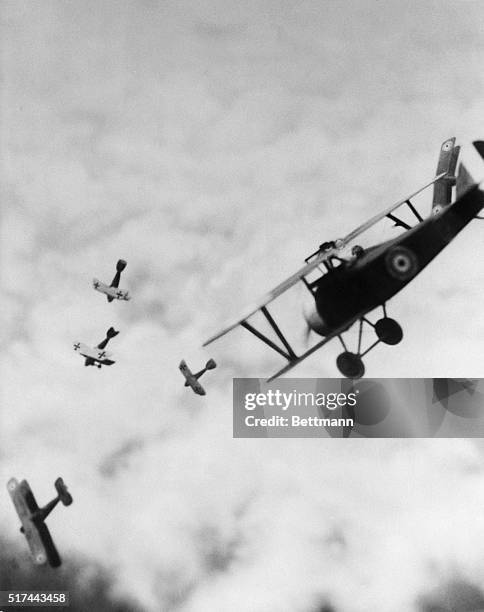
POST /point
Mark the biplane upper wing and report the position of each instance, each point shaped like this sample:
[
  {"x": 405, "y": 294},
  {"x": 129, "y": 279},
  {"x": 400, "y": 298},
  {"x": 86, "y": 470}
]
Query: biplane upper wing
[
  {"x": 112, "y": 292},
  {"x": 37, "y": 535},
  {"x": 318, "y": 260},
  {"x": 366, "y": 226},
  {"x": 96, "y": 353}
]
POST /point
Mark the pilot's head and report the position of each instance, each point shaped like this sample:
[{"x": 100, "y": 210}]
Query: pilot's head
[{"x": 357, "y": 251}]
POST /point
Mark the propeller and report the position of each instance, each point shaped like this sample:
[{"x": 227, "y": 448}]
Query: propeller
[{"x": 307, "y": 334}]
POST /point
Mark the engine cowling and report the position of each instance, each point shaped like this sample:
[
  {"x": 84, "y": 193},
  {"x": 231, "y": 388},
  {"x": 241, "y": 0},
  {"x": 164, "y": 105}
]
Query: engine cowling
[{"x": 314, "y": 319}]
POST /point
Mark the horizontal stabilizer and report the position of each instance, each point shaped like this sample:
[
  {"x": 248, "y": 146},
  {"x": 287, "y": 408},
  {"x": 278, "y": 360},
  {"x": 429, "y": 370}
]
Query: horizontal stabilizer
[{"x": 112, "y": 332}]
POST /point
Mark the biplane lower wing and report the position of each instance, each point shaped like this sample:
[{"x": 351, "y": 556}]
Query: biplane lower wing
[
  {"x": 313, "y": 349},
  {"x": 38, "y": 537},
  {"x": 93, "y": 355}
]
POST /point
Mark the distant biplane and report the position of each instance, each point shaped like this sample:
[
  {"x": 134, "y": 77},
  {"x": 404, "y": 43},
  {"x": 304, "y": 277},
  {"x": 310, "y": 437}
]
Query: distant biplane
[
  {"x": 353, "y": 284},
  {"x": 97, "y": 356},
  {"x": 112, "y": 292},
  {"x": 191, "y": 380},
  {"x": 33, "y": 518}
]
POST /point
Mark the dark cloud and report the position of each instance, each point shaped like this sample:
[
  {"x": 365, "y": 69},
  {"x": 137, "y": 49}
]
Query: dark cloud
[{"x": 90, "y": 586}]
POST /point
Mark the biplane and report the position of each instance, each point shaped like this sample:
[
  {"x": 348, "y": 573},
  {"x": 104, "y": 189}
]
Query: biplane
[
  {"x": 112, "y": 292},
  {"x": 32, "y": 517},
  {"x": 191, "y": 380},
  {"x": 97, "y": 356},
  {"x": 353, "y": 281}
]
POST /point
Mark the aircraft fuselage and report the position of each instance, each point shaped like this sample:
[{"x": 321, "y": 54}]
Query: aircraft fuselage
[{"x": 351, "y": 290}]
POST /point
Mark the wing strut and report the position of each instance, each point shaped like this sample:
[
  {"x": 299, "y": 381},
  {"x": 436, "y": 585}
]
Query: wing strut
[
  {"x": 280, "y": 335},
  {"x": 288, "y": 354},
  {"x": 414, "y": 210},
  {"x": 399, "y": 222}
]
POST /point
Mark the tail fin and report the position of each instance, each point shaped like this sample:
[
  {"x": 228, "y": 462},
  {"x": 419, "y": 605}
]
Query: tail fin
[
  {"x": 210, "y": 365},
  {"x": 447, "y": 163},
  {"x": 64, "y": 495},
  {"x": 111, "y": 332},
  {"x": 120, "y": 266}
]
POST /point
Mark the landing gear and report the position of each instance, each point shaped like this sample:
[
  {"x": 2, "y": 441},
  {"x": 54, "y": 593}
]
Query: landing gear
[
  {"x": 350, "y": 365},
  {"x": 387, "y": 330}
]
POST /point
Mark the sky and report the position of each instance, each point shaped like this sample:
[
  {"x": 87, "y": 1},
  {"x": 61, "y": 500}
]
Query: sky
[{"x": 214, "y": 145}]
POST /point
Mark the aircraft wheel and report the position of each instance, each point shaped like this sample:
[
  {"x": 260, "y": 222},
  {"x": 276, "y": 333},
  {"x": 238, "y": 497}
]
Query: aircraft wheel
[
  {"x": 401, "y": 263},
  {"x": 350, "y": 365},
  {"x": 388, "y": 331}
]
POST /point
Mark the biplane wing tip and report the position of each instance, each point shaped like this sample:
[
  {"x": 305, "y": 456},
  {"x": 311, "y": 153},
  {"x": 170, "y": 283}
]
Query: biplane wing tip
[
  {"x": 282, "y": 371},
  {"x": 219, "y": 334},
  {"x": 12, "y": 484},
  {"x": 222, "y": 332},
  {"x": 251, "y": 310},
  {"x": 448, "y": 144}
]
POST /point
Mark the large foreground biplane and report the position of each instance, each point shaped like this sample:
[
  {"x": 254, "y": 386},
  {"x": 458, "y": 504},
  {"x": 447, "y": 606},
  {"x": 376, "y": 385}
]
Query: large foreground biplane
[
  {"x": 353, "y": 281},
  {"x": 32, "y": 517}
]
